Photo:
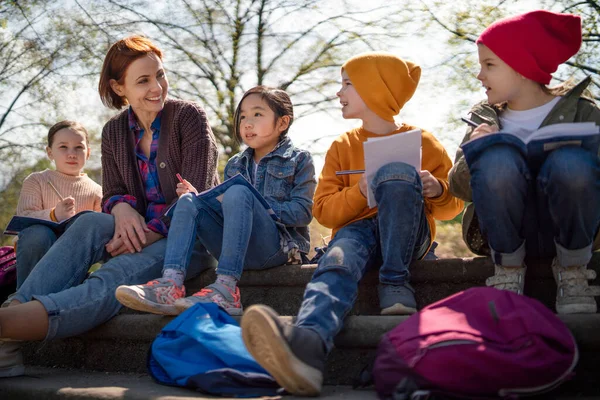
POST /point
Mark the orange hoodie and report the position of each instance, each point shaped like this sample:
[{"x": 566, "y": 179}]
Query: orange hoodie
[{"x": 338, "y": 200}]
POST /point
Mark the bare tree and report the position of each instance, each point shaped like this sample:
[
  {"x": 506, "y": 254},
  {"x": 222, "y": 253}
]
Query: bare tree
[
  {"x": 465, "y": 20},
  {"x": 216, "y": 49}
]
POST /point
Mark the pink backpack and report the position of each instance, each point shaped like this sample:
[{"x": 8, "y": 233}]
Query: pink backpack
[
  {"x": 8, "y": 265},
  {"x": 480, "y": 343}
]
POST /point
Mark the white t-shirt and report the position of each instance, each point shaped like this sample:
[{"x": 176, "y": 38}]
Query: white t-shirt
[{"x": 522, "y": 123}]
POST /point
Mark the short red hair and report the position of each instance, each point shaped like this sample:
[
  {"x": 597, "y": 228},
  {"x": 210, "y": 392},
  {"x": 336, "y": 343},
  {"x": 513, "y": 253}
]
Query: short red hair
[{"x": 120, "y": 55}]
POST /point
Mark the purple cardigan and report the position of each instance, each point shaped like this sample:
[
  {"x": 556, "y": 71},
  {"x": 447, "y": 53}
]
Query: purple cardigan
[{"x": 186, "y": 145}]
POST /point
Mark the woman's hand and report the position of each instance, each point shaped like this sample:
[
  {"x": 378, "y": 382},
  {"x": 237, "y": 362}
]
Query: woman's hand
[
  {"x": 64, "y": 209},
  {"x": 483, "y": 130},
  {"x": 130, "y": 229},
  {"x": 431, "y": 186},
  {"x": 185, "y": 187},
  {"x": 117, "y": 247}
]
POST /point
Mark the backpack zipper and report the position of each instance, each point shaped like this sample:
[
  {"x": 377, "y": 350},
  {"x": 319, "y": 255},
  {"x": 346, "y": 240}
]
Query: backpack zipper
[{"x": 437, "y": 345}]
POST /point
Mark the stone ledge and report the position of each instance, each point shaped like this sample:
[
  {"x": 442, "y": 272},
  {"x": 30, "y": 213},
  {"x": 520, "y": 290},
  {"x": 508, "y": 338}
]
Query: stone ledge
[{"x": 63, "y": 384}]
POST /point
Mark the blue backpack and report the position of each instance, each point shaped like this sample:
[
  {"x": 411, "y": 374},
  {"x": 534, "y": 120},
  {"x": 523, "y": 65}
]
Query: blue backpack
[{"x": 202, "y": 349}]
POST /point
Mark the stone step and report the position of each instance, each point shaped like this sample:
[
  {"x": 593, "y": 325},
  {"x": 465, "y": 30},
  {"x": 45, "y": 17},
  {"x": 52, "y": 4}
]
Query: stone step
[
  {"x": 64, "y": 384},
  {"x": 121, "y": 345},
  {"x": 283, "y": 287}
]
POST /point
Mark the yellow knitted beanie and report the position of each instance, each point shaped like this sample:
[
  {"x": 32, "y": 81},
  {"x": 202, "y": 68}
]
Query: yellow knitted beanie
[{"x": 383, "y": 81}]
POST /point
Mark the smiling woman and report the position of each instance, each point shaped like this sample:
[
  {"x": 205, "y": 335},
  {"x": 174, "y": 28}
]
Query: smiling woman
[{"x": 143, "y": 148}]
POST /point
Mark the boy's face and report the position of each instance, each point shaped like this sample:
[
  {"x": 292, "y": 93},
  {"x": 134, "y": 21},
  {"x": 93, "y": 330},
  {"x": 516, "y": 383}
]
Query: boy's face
[
  {"x": 502, "y": 83},
  {"x": 352, "y": 105}
]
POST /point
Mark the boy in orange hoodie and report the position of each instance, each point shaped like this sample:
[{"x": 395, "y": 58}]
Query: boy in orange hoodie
[{"x": 375, "y": 87}]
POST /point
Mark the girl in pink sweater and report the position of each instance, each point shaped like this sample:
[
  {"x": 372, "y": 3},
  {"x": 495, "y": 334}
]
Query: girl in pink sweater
[{"x": 55, "y": 195}]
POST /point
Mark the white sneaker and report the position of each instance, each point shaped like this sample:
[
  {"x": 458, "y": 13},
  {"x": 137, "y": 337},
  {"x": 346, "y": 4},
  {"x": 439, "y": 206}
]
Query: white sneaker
[
  {"x": 508, "y": 278},
  {"x": 11, "y": 359},
  {"x": 573, "y": 293}
]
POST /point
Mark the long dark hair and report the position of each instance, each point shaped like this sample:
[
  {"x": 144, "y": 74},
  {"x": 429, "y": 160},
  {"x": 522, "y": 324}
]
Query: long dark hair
[{"x": 278, "y": 101}]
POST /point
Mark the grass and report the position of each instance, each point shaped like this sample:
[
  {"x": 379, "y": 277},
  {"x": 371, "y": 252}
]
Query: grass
[{"x": 448, "y": 237}]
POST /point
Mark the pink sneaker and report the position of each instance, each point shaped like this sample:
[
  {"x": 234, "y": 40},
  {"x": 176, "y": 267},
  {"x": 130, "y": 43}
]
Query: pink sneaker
[
  {"x": 217, "y": 293},
  {"x": 157, "y": 296}
]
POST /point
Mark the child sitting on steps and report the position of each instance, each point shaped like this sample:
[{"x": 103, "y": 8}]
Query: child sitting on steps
[
  {"x": 547, "y": 211},
  {"x": 243, "y": 235},
  {"x": 375, "y": 87},
  {"x": 55, "y": 195}
]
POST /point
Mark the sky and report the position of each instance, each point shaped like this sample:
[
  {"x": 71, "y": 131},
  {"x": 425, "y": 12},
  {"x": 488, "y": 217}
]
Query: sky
[{"x": 434, "y": 104}]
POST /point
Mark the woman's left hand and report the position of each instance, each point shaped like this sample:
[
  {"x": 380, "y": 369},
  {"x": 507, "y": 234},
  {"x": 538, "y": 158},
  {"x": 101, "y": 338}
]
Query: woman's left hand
[
  {"x": 117, "y": 247},
  {"x": 431, "y": 186}
]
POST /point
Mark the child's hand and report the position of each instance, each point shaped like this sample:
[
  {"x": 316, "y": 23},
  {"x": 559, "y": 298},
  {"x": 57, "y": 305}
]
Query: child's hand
[
  {"x": 65, "y": 209},
  {"x": 362, "y": 185},
  {"x": 185, "y": 187},
  {"x": 431, "y": 186},
  {"x": 483, "y": 129}
]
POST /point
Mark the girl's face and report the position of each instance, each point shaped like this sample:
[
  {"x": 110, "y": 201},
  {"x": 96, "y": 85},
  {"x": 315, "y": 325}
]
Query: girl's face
[
  {"x": 502, "y": 83},
  {"x": 69, "y": 151},
  {"x": 353, "y": 105},
  {"x": 259, "y": 128},
  {"x": 145, "y": 85}
]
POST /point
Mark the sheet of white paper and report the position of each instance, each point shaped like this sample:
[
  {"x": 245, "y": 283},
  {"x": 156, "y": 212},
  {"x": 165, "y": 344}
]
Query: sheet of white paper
[{"x": 403, "y": 147}]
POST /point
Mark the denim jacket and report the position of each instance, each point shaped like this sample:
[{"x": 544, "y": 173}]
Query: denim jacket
[
  {"x": 572, "y": 107},
  {"x": 286, "y": 179}
]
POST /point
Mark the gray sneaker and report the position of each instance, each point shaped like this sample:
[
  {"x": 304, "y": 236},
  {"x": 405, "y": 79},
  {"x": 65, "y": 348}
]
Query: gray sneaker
[
  {"x": 294, "y": 356},
  {"x": 508, "y": 278},
  {"x": 11, "y": 359},
  {"x": 574, "y": 295},
  {"x": 397, "y": 299}
]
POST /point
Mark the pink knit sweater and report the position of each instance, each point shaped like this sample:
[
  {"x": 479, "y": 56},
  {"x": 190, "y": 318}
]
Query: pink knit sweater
[{"x": 37, "y": 198}]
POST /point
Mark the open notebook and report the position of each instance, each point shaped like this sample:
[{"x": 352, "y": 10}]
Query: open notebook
[
  {"x": 214, "y": 196},
  {"x": 540, "y": 142}
]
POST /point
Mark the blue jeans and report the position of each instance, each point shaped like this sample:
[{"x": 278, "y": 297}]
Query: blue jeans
[
  {"x": 75, "y": 304},
  {"x": 552, "y": 212},
  {"x": 239, "y": 233},
  {"x": 33, "y": 243},
  {"x": 391, "y": 240}
]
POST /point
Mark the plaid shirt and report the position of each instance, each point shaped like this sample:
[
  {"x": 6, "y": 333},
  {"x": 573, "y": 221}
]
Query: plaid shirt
[{"x": 147, "y": 165}]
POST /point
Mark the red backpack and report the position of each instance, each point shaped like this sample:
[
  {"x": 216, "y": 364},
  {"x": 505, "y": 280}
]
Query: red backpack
[
  {"x": 480, "y": 343},
  {"x": 8, "y": 265}
]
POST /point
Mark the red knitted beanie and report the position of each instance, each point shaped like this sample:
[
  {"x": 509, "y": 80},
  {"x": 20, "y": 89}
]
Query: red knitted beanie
[{"x": 535, "y": 43}]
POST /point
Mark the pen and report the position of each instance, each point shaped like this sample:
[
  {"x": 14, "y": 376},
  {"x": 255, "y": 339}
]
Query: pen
[
  {"x": 350, "y": 172},
  {"x": 468, "y": 121},
  {"x": 180, "y": 178},
  {"x": 55, "y": 191}
]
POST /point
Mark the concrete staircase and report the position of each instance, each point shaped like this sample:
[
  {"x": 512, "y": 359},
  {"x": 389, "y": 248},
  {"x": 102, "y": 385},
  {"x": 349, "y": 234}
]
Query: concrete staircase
[{"x": 121, "y": 345}]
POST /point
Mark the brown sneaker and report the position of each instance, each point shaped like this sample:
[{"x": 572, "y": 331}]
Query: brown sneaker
[
  {"x": 508, "y": 278},
  {"x": 295, "y": 356},
  {"x": 573, "y": 294}
]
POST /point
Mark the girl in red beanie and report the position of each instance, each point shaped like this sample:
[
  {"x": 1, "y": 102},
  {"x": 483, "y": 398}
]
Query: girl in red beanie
[{"x": 518, "y": 208}]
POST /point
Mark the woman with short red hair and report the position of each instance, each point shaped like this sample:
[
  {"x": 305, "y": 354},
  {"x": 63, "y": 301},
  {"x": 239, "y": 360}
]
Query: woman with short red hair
[{"x": 143, "y": 148}]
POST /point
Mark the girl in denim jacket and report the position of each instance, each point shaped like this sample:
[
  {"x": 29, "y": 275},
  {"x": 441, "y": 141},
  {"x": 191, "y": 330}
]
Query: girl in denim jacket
[{"x": 243, "y": 235}]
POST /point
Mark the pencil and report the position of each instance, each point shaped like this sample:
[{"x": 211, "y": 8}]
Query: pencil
[
  {"x": 55, "y": 191},
  {"x": 468, "y": 121},
  {"x": 350, "y": 172}
]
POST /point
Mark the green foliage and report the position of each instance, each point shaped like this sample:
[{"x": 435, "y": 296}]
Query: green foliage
[{"x": 10, "y": 196}]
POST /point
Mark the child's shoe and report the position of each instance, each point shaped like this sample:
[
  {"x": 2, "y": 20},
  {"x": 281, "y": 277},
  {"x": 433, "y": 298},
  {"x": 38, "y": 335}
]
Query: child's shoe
[
  {"x": 155, "y": 297},
  {"x": 573, "y": 294},
  {"x": 217, "y": 293},
  {"x": 294, "y": 356},
  {"x": 508, "y": 278},
  {"x": 11, "y": 359},
  {"x": 397, "y": 299}
]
